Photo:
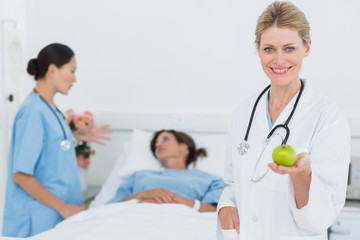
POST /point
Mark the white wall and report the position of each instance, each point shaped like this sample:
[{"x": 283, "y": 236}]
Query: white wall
[{"x": 186, "y": 56}]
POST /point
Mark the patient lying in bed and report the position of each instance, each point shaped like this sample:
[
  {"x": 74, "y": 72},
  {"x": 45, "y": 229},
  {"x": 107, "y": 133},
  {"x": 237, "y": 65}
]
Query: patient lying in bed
[{"x": 175, "y": 183}]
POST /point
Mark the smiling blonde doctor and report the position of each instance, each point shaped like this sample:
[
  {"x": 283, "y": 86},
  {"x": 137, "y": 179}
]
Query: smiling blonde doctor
[{"x": 263, "y": 200}]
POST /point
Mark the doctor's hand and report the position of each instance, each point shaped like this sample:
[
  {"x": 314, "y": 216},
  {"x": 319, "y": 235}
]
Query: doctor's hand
[
  {"x": 229, "y": 218},
  {"x": 93, "y": 134},
  {"x": 67, "y": 210},
  {"x": 300, "y": 175},
  {"x": 302, "y": 166},
  {"x": 158, "y": 195}
]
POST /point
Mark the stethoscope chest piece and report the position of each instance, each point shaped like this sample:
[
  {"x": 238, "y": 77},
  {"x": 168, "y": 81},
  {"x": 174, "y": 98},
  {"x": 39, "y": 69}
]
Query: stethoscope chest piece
[
  {"x": 65, "y": 145},
  {"x": 243, "y": 148}
]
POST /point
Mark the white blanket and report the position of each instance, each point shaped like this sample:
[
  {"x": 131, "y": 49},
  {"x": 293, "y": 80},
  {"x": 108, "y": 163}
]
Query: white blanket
[{"x": 132, "y": 220}]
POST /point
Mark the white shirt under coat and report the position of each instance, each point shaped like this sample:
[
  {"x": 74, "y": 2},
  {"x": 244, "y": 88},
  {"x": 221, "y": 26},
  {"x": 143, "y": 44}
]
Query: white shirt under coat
[{"x": 267, "y": 209}]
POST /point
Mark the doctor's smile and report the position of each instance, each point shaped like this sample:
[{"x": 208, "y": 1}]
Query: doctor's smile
[{"x": 280, "y": 70}]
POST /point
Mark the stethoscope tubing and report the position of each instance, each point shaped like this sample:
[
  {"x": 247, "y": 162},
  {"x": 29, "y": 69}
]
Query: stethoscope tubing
[
  {"x": 53, "y": 111},
  {"x": 285, "y": 125}
]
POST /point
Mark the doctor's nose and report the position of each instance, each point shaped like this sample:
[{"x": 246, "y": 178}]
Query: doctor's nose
[{"x": 279, "y": 59}]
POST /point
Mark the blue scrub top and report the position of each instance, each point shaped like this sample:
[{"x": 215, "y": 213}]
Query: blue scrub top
[
  {"x": 35, "y": 150},
  {"x": 191, "y": 183}
]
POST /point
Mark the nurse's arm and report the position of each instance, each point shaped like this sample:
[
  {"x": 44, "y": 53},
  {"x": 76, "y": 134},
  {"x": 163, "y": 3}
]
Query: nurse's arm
[{"x": 35, "y": 189}]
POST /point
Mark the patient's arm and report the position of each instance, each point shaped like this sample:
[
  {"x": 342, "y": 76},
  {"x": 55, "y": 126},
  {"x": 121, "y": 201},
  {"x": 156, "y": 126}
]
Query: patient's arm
[
  {"x": 161, "y": 195},
  {"x": 204, "y": 207},
  {"x": 158, "y": 195}
]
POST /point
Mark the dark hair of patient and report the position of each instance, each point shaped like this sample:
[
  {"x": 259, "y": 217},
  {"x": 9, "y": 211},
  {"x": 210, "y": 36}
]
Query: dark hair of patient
[
  {"x": 55, "y": 53},
  {"x": 181, "y": 137}
]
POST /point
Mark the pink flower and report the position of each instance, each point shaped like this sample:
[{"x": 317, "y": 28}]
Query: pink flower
[{"x": 77, "y": 122}]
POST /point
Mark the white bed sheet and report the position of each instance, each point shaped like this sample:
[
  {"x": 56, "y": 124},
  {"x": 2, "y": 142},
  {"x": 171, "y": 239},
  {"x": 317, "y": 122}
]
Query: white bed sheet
[{"x": 132, "y": 220}]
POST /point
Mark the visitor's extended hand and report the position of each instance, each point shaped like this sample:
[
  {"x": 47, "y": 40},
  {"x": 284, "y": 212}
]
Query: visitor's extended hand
[{"x": 93, "y": 134}]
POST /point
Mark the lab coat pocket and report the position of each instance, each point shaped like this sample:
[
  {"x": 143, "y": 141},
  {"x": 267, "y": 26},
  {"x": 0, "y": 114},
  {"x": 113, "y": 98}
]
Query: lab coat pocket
[
  {"x": 314, "y": 237},
  {"x": 230, "y": 234},
  {"x": 279, "y": 182}
]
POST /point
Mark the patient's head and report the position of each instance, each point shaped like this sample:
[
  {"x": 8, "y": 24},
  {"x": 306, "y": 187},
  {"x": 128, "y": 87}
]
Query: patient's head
[{"x": 175, "y": 149}]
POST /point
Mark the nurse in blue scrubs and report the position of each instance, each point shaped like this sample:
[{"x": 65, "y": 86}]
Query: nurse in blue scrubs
[
  {"x": 43, "y": 184},
  {"x": 176, "y": 183}
]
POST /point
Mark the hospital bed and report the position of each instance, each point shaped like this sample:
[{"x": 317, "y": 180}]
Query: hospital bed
[{"x": 132, "y": 220}]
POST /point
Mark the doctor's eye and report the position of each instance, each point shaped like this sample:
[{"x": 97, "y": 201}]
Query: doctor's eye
[
  {"x": 268, "y": 49},
  {"x": 290, "y": 49}
]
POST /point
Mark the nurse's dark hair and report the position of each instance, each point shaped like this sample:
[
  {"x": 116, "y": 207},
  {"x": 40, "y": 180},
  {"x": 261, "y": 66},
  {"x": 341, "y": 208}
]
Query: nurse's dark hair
[
  {"x": 181, "y": 137},
  {"x": 55, "y": 53},
  {"x": 283, "y": 15}
]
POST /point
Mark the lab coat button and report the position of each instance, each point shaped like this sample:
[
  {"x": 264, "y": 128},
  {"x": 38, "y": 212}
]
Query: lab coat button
[{"x": 254, "y": 219}]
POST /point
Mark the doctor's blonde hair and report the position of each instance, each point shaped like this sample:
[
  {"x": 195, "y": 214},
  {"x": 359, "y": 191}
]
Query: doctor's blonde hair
[{"x": 283, "y": 15}]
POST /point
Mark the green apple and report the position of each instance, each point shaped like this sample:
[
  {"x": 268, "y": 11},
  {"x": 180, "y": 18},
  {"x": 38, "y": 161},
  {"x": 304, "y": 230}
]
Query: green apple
[{"x": 284, "y": 155}]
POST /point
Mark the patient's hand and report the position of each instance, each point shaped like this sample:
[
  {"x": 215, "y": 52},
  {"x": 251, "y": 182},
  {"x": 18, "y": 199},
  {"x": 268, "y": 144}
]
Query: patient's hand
[{"x": 158, "y": 195}]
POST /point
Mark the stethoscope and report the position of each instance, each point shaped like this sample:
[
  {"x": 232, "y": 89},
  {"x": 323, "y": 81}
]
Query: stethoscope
[
  {"x": 244, "y": 146},
  {"x": 65, "y": 144}
]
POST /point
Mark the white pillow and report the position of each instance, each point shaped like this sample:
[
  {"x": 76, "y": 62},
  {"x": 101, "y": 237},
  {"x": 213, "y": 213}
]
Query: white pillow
[{"x": 138, "y": 156}]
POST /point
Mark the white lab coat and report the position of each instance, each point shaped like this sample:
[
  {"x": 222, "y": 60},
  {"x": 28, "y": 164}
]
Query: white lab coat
[{"x": 267, "y": 209}]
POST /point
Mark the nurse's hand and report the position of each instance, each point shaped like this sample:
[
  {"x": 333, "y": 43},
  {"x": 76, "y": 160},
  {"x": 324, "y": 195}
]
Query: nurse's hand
[
  {"x": 229, "y": 218},
  {"x": 93, "y": 134},
  {"x": 68, "y": 210},
  {"x": 302, "y": 166}
]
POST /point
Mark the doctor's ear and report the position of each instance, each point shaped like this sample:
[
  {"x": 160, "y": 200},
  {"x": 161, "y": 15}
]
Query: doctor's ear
[{"x": 308, "y": 47}]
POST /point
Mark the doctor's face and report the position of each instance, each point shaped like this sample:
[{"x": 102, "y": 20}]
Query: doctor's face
[
  {"x": 167, "y": 149},
  {"x": 64, "y": 77},
  {"x": 281, "y": 54}
]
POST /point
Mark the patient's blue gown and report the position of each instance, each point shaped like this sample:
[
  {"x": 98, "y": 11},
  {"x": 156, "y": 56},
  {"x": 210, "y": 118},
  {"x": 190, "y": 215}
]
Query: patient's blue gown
[
  {"x": 190, "y": 183},
  {"x": 36, "y": 151}
]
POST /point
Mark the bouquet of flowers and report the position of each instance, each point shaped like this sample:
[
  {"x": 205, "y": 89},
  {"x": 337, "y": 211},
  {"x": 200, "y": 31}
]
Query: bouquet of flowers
[{"x": 77, "y": 123}]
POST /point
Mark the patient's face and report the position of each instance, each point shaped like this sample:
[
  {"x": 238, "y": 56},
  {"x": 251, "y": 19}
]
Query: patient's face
[{"x": 169, "y": 152}]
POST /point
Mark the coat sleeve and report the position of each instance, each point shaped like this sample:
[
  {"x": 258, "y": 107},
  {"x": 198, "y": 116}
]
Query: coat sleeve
[
  {"x": 329, "y": 158},
  {"x": 227, "y": 198}
]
